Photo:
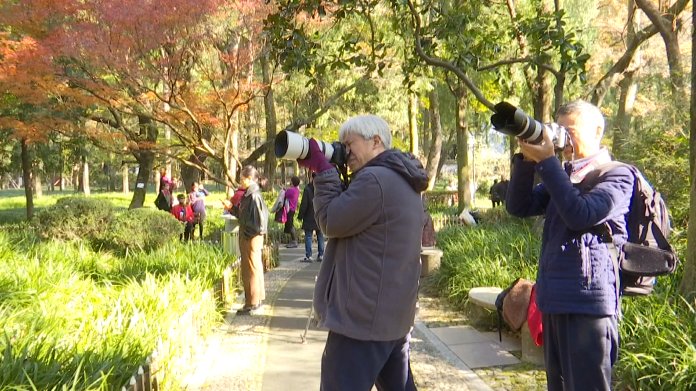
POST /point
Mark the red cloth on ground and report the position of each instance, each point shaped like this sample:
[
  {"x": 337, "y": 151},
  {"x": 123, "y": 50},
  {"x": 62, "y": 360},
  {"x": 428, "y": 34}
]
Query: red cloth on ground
[
  {"x": 534, "y": 319},
  {"x": 188, "y": 212}
]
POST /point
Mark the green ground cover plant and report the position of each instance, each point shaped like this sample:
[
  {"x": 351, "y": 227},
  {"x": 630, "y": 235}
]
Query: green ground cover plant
[
  {"x": 76, "y": 318},
  {"x": 657, "y": 332}
]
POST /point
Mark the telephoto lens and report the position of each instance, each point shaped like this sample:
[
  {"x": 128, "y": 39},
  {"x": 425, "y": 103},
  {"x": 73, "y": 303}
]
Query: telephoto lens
[
  {"x": 292, "y": 146},
  {"x": 510, "y": 120}
]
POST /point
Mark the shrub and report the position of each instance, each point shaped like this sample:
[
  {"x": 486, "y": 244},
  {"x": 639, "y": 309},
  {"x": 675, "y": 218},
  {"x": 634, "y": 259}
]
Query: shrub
[
  {"x": 73, "y": 218},
  {"x": 492, "y": 253},
  {"x": 139, "y": 229}
]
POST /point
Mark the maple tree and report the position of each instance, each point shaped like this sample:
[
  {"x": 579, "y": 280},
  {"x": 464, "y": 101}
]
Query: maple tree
[{"x": 137, "y": 68}]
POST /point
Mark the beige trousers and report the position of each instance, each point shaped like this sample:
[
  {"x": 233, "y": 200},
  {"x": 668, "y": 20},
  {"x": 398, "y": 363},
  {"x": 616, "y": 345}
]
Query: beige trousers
[{"x": 252, "y": 270}]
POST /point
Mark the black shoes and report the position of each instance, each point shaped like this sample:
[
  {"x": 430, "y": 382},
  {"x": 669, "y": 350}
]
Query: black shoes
[{"x": 249, "y": 310}]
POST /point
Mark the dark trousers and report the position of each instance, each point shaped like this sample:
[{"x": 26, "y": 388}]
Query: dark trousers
[
  {"x": 353, "y": 365},
  {"x": 290, "y": 226},
  {"x": 579, "y": 351},
  {"x": 188, "y": 232}
]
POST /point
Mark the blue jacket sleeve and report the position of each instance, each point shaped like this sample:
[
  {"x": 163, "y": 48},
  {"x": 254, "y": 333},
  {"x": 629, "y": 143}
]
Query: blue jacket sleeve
[
  {"x": 523, "y": 198},
  {"x": 583, "y": 210}
]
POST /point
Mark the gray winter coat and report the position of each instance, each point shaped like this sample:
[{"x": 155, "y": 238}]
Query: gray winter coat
[{"x": 367, "y": 286}]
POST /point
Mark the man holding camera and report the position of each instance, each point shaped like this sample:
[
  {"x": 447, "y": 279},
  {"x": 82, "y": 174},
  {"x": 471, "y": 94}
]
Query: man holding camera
[
  {"x": 367, "y": 286},
  {"x": 577, "y": 281}
]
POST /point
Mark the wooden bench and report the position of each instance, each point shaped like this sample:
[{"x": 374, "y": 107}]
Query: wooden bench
[{"x": 484, "y": 297}]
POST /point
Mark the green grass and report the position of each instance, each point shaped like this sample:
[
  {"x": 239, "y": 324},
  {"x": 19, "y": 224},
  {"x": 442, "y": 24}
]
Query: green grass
[
  {"x": 493, "y": 253},
  {"x": 76, "y": 319},
  {"x": 83, "y": 320}
]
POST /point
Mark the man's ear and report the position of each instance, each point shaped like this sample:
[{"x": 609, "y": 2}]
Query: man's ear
[
  {"x": 377, "y": 141},
  {"x": 599, "y": 133}
]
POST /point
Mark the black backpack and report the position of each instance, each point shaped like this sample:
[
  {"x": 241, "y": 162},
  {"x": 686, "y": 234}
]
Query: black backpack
[{"x": 647, "y": 253}]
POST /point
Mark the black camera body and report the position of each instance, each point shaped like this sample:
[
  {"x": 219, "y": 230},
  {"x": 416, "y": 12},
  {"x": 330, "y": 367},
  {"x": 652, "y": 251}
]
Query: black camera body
[
  {"x": 511, "y": 120},
  {"x": 292, "y": 146}
]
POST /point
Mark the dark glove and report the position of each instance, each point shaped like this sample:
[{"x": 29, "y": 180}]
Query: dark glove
[{"x": 315, "y": 160}]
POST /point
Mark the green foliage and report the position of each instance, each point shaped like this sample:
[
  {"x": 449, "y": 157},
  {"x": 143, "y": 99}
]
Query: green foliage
[
  {"x": 661, "y": 152},
  {"x": 74, "y": 218},
  {"x": 657, "y": 344},
  {"x": 493, "y": 253},
  {"x": 74, "y": 319},
  {"x": 139, "y": 229},
  {"x": 657, "y": 332}
]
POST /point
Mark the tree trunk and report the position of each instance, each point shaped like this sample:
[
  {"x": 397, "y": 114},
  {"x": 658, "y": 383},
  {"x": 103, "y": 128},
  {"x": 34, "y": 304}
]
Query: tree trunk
[
  {"x": 270, "y": 115},
  {"x": 622, "y": 130},
  {"x": 436, "y": 139},
  {"x": 124, "y": 179},
  {"x": 668, "y": 31},
  {"x": 413, "y": 122},
  {"x": 688, "y": 282},
  {"x": 158, "y": 179},
  {"x": 628, "y": 87},
  {"x": 145, "y": 161},
  {"x": 542, "y": 96},
  {"x": 84, "y": 177},
  {"x": 145, "y": 158},
  {"x": 464, "y": 193},
  {"x": 38, "y": 186},
  {"x": 27, "y": 179},
  {"x": 425, "y": 130}
]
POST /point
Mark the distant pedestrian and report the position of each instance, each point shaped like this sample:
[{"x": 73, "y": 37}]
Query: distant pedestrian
[
  {"x": 164, "y": 196},
  {"x": 197, "y": 201},
  {"x": 498, "y": 192},
  {"x": 309, "y": 222},
  {"x": 292, "y": 195},
  {"x": 183, "y": 212},
  {"x": 253, "y": 223}
]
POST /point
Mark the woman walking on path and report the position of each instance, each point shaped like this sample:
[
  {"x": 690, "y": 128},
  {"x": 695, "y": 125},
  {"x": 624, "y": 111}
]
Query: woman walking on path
[
  {"x": 292, "y": 195},
  {"x": 309, "y": 222},
  {"x": 253, "y": 222}
]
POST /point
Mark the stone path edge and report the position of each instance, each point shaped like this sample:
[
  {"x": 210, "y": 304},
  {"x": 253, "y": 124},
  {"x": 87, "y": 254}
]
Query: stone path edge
[{"x": 472, "y": 379}]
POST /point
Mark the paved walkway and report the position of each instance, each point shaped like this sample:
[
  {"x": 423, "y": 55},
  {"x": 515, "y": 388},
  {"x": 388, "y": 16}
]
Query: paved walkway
[{"x": 239, "y": 361}]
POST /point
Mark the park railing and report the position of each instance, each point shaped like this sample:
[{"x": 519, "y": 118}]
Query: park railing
[{"x": 444, "y": 221}]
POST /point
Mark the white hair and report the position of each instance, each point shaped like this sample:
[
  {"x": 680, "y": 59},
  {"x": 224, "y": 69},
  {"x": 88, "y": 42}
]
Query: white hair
[
  {"x": 589, "y": 112},
  {"x": 366, "y": 126}
]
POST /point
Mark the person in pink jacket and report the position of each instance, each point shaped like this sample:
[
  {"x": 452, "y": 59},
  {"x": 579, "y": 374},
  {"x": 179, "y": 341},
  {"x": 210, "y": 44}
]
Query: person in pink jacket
[{"x": 292, "y": 195}]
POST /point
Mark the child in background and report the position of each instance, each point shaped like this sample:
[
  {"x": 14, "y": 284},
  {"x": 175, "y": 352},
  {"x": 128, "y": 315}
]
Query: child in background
[{"x": 183, "y": 212}]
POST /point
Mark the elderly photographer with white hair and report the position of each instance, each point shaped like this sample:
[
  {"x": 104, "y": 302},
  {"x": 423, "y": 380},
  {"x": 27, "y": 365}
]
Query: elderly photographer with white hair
[
  {"x": 367, "y": 286},
  {"x": 576, "y": 282}
]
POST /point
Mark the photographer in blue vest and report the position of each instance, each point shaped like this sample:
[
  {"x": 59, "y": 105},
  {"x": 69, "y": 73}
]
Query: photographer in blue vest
[{"x": 576, "y": 282}]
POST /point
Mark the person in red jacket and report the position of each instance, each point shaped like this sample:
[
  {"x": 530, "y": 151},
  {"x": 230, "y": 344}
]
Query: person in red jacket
[{"x": 183, "y": 212}]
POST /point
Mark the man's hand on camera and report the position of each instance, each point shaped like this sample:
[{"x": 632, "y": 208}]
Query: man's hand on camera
[
  {"x": 537, "y": 152},
  {"x": 316, "y": 161}
]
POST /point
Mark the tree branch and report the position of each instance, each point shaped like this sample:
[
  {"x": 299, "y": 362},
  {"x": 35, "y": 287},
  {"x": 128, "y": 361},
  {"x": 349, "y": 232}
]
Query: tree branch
[{"x": 442, "y": 63}]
